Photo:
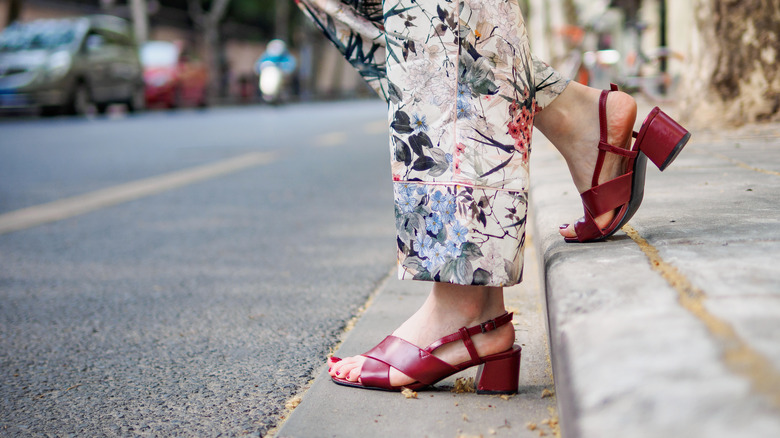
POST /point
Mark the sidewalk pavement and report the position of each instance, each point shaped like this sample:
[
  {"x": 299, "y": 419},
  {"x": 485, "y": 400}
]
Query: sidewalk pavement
[{"x": 669, "y": 329}]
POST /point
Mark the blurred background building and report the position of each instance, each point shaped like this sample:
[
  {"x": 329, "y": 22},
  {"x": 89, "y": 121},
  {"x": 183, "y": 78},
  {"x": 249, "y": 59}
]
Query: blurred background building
[
  {"x": 716, "y": 58},
  {"x": 243, "y": 30}
]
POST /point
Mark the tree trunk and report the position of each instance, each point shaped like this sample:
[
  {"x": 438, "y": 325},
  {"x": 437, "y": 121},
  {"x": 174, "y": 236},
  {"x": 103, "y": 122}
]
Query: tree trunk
[
  {"x": 139, "y": 12},
  {"x": 734, "y": 76},
  {"x": 209, "y": 23},
  {"x": 14, "y": 11}
]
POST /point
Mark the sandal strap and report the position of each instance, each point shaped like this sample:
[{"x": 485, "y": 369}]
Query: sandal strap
[
  {"x": 608, "y": 196},
  {"x": 617, "y": 151},
  {"x": 465, "y": 334},
  {"x": 602, "y": 133},
  {"x": 406, "y": 358}
]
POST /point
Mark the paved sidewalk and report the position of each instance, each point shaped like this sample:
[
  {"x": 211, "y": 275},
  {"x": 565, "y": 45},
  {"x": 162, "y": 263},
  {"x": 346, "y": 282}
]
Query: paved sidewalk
[
  {"x": 329, "y": 410},
  {"x": 671, "y": 330}
]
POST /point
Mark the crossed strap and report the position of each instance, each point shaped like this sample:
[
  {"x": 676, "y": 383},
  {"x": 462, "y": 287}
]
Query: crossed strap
[
  {"x": 420, "y": 364},
  {"x": 612, "y": 194}
]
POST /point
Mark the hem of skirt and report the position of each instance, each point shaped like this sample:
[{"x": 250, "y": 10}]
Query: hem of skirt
[
  {"x": 455, "y": 233},
  {"x": 404, "y": 274},
  {"x": 523, "y": 188}
]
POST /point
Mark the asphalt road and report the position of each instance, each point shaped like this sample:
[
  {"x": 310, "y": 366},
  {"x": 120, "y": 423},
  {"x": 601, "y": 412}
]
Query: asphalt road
[{"x": 199, "y": 310}]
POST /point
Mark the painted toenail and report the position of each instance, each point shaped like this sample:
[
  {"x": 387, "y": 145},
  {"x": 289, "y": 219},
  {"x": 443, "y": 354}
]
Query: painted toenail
[{"x": 564, "y": 226}]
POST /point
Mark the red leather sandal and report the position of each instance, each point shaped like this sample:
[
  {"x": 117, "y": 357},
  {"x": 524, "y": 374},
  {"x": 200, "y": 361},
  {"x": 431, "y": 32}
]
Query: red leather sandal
[
  {"x": 498, "y": 373},
  {"x": 660, "y": 138}
]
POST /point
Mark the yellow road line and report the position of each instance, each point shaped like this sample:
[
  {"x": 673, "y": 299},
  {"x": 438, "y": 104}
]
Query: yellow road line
[
  {"x": 76, "y": 205},
  {"x": 331, "y": 139},
  {"x": 738, "y": 356},
  {"x": 376, "y": 127}
]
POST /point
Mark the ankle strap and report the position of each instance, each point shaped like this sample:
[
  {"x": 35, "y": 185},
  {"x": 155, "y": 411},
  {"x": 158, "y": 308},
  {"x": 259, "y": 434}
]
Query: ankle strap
[
  {"x": 602, "y": 134},
  {"x": 465, "y": 334}
]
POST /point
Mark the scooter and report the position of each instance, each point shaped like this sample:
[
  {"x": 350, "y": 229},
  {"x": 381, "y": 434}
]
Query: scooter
[{"x": 271, "y": 82}]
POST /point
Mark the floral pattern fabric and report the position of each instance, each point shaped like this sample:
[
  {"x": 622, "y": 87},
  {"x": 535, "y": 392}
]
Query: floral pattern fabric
[{"x": 462, "y": 89}]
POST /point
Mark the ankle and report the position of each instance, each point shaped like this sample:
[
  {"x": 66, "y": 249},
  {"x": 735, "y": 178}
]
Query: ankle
[
  {"x": 562, "y": 120},
  {"x": 468, "y": 304}
]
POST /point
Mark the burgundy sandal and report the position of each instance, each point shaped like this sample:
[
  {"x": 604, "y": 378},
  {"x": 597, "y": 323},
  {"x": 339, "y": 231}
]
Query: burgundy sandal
[
  {"x": 498, "y": 373},
  {"x": 660, "y": 138}
]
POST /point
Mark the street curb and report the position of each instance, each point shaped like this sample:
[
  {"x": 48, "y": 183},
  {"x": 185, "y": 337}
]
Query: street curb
[{"x": 643, "y": 326}]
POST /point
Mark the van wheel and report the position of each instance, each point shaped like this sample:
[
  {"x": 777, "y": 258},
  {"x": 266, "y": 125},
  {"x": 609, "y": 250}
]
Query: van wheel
[
  {"x": 137, "y": 101},
  {"x": 80, "y": 101}
]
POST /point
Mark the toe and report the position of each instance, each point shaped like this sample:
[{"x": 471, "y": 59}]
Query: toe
[
  {"x": 345, "y": 366},
  {"x": 354, "y": 375},
  {"x": 568, "y": 231}
]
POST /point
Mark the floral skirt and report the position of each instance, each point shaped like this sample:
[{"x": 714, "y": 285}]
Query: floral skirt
[{"x": 462, "y": 89}]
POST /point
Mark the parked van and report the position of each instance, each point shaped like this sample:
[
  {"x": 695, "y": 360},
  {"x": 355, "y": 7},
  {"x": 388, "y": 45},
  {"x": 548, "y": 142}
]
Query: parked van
[{"x": 70, "y": 64}]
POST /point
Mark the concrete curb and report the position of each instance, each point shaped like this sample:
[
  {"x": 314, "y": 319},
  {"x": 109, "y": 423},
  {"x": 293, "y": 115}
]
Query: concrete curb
[{"x": 673, "y": 331}]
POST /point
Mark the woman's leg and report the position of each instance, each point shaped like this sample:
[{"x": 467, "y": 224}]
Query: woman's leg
[
  {"x": 571, "y": 123},
  {"x": 463, "y": 89}
]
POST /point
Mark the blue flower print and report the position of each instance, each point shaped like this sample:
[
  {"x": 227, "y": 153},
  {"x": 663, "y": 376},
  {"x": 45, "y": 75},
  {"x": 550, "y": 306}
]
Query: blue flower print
[
  {"x": 449, "y": 210},
  {"x": 434, "y": 257},
  {"x": 447, "y": 217},
  {"x": 438, "y": 201},
  {"x": 453, "y": 249},
  {"x": 423, "y": 244},
  {"x": 419, "y": 123},
  {"x": 459, "y": 233},
  {"x": 407, "y": 203},
  {"x": 407, "y": 189},
  {"x": 464, "y": 92},
  {"x": 433, "y": 223},
  {"x": 464, "y": 110}
]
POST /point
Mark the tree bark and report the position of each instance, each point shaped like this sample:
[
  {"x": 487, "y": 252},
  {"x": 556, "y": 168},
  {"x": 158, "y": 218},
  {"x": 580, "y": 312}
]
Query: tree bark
[
  {"x": 14, "y": 11},
  {"x": 734, "y": 77},
  {"x": 208, "y": 22},
  {"x": 139, "y": 12}
]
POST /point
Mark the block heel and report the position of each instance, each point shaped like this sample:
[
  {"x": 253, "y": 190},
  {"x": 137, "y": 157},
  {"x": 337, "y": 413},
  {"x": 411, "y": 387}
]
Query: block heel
[
  {"x": 661, "y": 138},
  {"x": 500, "y": 375}
]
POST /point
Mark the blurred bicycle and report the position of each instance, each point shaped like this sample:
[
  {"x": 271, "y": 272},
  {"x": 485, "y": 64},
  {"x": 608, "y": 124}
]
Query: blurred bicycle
[{"x": 656, "y": 75}]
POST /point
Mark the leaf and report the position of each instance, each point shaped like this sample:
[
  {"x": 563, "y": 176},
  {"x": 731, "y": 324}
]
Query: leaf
[
  {"x": 481, "y": 277},
  {"x": 441, "y": 13},
  {"x": 438, "y": 170},
  {"x": 415, "y": 223},
  {"x": 482, "y": 218},
  {"x": 471, "y": 250},
  {"x": 413, "y": 263},
  {"x": 497, "y": 168},
  {"x": 448, "y": 271},
  {"x": 464, "y": 273},
  {"x": 396, "y": 95},
  {"x": 401, "y": 123},
  {"x": 402, "y": 152},
  {"x": 423, "y": 276},
  {"x": 419, "y": 141},
  {"x": 424, "y": 163},
  {"x": 491, "y": 142},
  {"x": 401, "y": 245}
]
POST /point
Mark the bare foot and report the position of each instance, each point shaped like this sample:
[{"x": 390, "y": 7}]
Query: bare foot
[
  {"x": 571, "y": 123},
  {"x": 448, "y": 308}
]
